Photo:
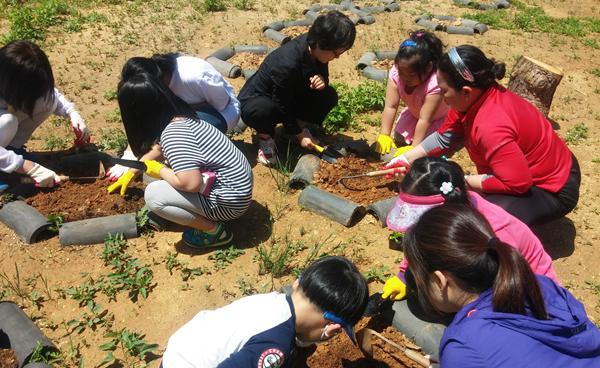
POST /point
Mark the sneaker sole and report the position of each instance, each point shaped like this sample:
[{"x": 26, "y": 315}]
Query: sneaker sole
[{"x": 220, "y": 243}]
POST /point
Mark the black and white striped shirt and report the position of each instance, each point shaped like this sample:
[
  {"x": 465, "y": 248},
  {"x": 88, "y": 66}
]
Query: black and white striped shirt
[{"x": 196, "y": 145}]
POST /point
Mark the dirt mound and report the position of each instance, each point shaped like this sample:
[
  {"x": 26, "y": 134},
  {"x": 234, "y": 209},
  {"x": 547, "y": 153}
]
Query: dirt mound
[
  {"x": 365, "y": 190},
  {"x": 340, "y": 352},
  {"x": 83, "y": 200},
  {"x": 247, "y": 60},
  {"x": 8, "y": 359}
]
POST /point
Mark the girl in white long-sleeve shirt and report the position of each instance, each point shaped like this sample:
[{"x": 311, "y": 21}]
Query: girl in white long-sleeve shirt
[{"x": 27, "y": 98}]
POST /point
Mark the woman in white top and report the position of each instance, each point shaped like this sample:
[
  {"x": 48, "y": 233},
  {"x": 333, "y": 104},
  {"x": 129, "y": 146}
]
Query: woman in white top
[
  {"x": 193, "y": 80},
  {"x": 27, "y": 98}
]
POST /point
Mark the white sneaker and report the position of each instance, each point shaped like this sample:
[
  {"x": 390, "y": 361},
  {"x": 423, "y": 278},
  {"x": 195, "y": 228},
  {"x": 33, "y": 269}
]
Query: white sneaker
[{"x": 266, "y": 152}]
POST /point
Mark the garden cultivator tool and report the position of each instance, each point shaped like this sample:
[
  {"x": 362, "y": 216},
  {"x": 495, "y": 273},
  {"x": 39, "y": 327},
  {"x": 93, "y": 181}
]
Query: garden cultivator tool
[
  {"x": 101, "y": 175},
  {"x": 392, "y": 171},
  {"x": 365, "y": 341}
]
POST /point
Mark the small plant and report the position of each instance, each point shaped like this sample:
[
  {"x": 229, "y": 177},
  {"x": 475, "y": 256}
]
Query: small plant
[
  {"x": 112, "y": 139},
  {"x": 142, "y": 221},
  {"x": 97, "y": 317},
  {"x": 377, "y": 273},
  {"x": 171, "y": 263},
  {"x": 577, "y": 134},
  {"x": 596, "y": 160},
  {"x": 84, "y": 293},
  {"x": 133, "y": 348},
  {"x": 246, "y": 287},
  {"x": 276, "y": 258},
  {"x": 596, "y": 72},
  {"x": 111, "y": 95},
  {"x": 281, "y": 172},
  {"x": 56, "y": 143},
  {"x": 396, "y": 236},
  {"x": 41, "y": 354},
  {"x": 243, "y": 4},
  {"x": 224, "y": 257},
  {"x": 56, "y": 220},
  {"x": 213, "y": 5},
  {"x": 31, "y": 20},
  {"x": 14, "y": 285}
]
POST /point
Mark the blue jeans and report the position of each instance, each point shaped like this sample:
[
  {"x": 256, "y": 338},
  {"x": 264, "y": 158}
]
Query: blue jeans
[{"x": 210, "y": 115}]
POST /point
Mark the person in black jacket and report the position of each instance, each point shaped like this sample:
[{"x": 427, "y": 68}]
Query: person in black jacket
[{"x": 292, "y": 87}]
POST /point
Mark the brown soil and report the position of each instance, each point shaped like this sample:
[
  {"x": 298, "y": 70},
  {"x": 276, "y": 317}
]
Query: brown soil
[
  {"x": 247, "y": 60},
  {"x": 83, "y": 200},
  {"x": 340, "y": 352},
  {"x": 365, "y": 190},
  {"x": 294, "y": 31},
  {"x": 383, "y": 64},
  {"x": 8, "y": 359}
]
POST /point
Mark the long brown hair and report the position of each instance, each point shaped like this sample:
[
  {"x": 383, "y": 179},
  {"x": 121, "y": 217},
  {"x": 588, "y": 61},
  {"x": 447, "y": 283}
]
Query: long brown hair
[{"x": 456, "y": 238}]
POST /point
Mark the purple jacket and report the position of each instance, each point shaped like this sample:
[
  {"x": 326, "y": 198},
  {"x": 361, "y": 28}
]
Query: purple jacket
[{"x": 480, "y": 337}]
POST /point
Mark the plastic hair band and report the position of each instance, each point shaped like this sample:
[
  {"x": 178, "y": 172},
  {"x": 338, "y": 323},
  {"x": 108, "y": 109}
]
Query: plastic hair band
[
  {"x": 408, "y": 43},
  {"x": 345, "y": 325},
  {"x": 460, "y": 66}
]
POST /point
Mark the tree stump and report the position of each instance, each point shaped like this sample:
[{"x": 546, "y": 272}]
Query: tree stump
[{"x": 535, "y": 81}]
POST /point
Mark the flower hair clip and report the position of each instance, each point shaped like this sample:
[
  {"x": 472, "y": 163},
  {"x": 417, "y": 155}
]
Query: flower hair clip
[{"x": 446, "y": 187}]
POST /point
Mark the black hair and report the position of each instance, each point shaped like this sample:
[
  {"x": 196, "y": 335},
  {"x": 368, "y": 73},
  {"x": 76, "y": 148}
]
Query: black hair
[
  {"x": 147, "y": 106},
  {"x": 331, "y": 31},
  {"x": 428, "y": 49},
  {"x": 25, "y": 75},
  {"x": 485, "y": 71},
  {"x": 334, "y": 285},
  {"x": 427, "y": 174},
  {"x": 139, "y": 64},
  {"x": 457, "y": 238},
  {"x": 166, "y": 62}
]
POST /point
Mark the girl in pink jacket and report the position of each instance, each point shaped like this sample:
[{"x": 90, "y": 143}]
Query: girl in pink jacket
[{"x": 432, "y": 181}]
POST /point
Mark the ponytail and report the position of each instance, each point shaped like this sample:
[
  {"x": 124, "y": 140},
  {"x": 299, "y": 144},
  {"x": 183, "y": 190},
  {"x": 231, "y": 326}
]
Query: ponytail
[
  {"x": 515, "y": 286},
  {"x": 423, "y": 48},
  {"x": 456, "y": 238}
]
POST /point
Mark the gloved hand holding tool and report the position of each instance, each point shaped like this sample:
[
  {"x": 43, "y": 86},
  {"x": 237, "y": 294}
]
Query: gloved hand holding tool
[
  {"x": 389, "y": 173},
  {"x": 42, "y": 176},
  {"x": 116, "y": 171},
  {"x": 82, "y": 133}
]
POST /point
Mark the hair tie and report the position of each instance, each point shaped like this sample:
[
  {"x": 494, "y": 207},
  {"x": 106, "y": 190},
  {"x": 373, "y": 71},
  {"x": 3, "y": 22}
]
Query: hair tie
[
  {"x": 460, "y": 66},
  {"x": 408, "y": 43},
  {"x": 419, "y": 34},
  {"x": 493, "y": 242},
  {"x": 446, "y": 187}
]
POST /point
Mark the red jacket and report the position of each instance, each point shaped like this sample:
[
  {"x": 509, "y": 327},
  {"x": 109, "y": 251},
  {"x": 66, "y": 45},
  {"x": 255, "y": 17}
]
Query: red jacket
[{"x": 509, "y": 138}]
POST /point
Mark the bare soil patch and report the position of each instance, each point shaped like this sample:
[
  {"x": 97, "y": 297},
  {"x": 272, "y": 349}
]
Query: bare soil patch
[
  {"x": 8, "y": 359},
  {"x": 294, "y": 31},
  {"x": 247, "y": 60},
  {"x": 340, "y": 352},
  {"x": 83, "y": 200},
  {"x": 365, "y": 190}
]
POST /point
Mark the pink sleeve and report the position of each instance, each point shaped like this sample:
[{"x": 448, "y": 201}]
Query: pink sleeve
[
  {"x": 403, "y": 267},
  {"x": 432, "y": 86},
  {"x": 393, "y": 75}
]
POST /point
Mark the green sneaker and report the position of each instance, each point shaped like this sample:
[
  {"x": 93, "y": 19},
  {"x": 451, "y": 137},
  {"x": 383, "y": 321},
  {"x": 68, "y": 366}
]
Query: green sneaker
[{"x": 199, "y": 239}]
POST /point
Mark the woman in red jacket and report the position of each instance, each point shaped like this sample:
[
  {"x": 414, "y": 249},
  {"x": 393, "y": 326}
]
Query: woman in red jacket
[{"x": 522, "y": 164}]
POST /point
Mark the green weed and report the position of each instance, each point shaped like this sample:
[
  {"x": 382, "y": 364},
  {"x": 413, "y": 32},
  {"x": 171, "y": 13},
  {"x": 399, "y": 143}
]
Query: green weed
[
  {"x": 577, "y": 134},
  {"x": 134, "y": 350},
  {"x": 97, "y": 317},
  {"x": 243, "y": 4},
  {"x": 56, "y": 142},
  {"x": 14, "y": 285},
  {"x": 281, "y": 171},
  {"x": 366, "y": 97},
  {"x": 187, "y": 273},
  {"x": 114, "y": 116},
  {"x": 596, "y": 160},
  {"x": 275, "y": 259},
  {"x": 591, "y": 43},
  {"x": 111, "y": 95},
  {"x": 42, "y": 354},
  {"x": 596, "y": 72},
  {"x": 112, "y": 139},
  {"x": 377, "y": 274},
  {"x": 142, "y": 221},
  {"x": 396, "y": 236},
  {"x": 224, "y": 257},
  {"x": 212, "y": 5},
  {"x": 31, "y": 21},
  {"x": 246, "y": 287},
  {"x": 76, "y": 24},
  {"x": 56, "y": 220},
  {"x": 84, "y": 293}
]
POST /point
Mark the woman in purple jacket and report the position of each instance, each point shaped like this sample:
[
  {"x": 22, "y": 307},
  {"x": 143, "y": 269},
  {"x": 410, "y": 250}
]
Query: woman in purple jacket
[{"x": 505, "y": 315}]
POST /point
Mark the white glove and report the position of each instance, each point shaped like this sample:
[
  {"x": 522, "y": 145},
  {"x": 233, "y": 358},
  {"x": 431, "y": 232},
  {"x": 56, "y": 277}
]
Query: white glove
[
  {"x": 398, "y": 161},
  {"x": 116, "y": 171},
  {"x": 43, "y": 177},
  {"x": 82, "y": 133}
]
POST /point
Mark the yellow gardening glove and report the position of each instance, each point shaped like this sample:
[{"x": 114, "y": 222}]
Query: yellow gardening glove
[
  {"x": 122, "y": 182},
  {"x": 394, "y": 289},
  {"x": 384, "y": 144},
  {"x": 153, "y": 168},
  {"x": 402, "y": 150}
]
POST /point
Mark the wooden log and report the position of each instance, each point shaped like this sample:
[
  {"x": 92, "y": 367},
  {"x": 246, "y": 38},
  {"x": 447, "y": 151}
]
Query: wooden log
[{"x": 535, "y": 81}]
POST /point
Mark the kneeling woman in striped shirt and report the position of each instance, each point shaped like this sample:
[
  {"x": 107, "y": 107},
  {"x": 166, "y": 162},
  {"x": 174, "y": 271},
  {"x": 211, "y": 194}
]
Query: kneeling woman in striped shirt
[{"x": 208, "y": 180}]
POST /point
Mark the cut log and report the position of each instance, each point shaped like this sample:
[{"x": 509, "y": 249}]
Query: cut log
[{"x": 535, "y": 81}]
